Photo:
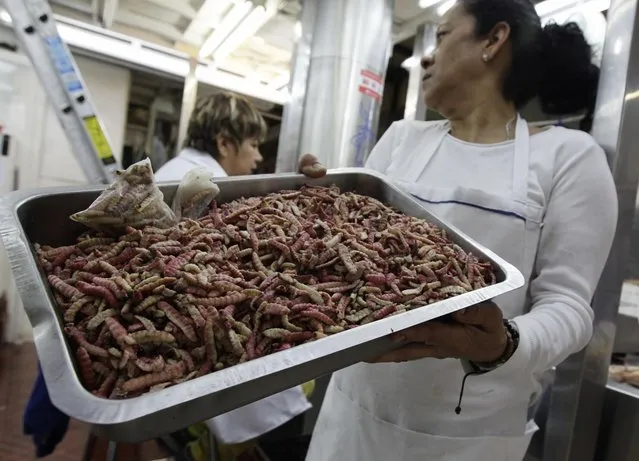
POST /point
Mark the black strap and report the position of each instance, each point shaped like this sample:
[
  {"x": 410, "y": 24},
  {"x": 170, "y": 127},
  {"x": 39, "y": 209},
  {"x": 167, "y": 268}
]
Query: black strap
[
  {"x": 461, "y": 391},
  {"x": 513, "y": 337}
]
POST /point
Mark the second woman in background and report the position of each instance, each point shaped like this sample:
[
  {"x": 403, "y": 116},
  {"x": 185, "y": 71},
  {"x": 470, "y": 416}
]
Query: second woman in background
[{"x": 223, "y": 135}]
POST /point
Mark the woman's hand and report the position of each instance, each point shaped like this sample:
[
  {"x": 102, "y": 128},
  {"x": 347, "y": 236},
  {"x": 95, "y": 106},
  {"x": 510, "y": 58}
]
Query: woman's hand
[
  {"x": 477, "y": 334},
  {"x": 310, "y": 166}
]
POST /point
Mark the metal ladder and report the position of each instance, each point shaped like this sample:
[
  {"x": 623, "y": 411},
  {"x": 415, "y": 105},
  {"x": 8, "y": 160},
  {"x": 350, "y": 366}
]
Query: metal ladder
[{"x": 36, "y": 30}]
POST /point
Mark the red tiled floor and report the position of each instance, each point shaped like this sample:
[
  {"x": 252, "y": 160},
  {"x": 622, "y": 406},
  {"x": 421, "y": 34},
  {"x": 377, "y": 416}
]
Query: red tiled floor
[{"x": 18, "y": 369}]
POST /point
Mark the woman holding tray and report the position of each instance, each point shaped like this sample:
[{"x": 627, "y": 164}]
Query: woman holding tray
[{"x": 544, "y": 200}]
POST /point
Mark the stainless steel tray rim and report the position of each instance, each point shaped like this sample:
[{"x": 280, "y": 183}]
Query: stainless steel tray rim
[
  {"x": 273, "y": 363},
  {"x": 49, "y": 338},
  {"x": 258, "y": 368},
  {"x": 18, "y": 198}
]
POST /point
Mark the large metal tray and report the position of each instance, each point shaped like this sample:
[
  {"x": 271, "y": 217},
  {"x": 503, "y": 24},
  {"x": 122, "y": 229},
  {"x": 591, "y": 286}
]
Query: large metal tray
[{"x": 42, "y": 216}]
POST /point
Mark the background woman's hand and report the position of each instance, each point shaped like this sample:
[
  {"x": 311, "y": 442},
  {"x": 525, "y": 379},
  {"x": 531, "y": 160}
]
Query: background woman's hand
[
  {"x": 477, "y": 334},
  {"x": 310, "y": 166}
]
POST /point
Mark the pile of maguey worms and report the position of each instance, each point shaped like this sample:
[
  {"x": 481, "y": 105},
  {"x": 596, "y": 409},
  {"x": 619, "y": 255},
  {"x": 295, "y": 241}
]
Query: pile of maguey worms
[{"x": 157, "y": 307}]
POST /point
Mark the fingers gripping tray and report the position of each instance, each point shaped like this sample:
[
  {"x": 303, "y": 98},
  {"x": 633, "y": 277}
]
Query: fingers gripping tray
[{"x": 42, "y": 216}]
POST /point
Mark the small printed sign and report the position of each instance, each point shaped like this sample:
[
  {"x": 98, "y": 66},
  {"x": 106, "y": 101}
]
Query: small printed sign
[{"x": 371, "y": 84}]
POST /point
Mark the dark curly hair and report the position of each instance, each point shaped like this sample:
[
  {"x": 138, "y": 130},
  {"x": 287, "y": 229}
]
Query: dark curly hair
[
  {"x": 226, "y": 114},
  {"x": 553, "y": 63}
]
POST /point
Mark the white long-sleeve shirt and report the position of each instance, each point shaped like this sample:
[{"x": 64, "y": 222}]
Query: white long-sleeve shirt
[
  {"x": 188, "y": 158},
  {"x": 575, "y": 186}
]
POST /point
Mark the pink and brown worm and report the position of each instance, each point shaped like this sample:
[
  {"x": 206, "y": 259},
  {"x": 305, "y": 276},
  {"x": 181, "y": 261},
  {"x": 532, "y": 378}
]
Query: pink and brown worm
[{"x": 156, "y": 307}]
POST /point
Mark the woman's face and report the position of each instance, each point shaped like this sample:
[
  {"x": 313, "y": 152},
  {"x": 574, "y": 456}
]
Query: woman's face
[
  {"x": 242, "y": 161},
  {"x": 452, "y": 71}
]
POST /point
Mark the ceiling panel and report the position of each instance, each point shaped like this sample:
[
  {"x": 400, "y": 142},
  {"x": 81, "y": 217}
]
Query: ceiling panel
[
  {"x": 150, "y": 10},
  {"x": 186, "y": 24},
  {"x": 280, "y": 32},
  {"x": 406, "y": 10}
]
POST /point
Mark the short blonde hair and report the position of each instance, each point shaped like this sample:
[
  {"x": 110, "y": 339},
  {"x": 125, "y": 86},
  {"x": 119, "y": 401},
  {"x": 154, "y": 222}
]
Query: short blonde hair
[{"x": 226, "y": 114}]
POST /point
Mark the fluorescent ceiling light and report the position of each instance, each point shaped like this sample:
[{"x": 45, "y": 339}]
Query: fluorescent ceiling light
[
  {"x": 5, "y": 16},
  {"x": 550, "y": 7},
  {"x": 208, "y": 17},
  {"x": 229, "y": 24},
  {"x": 247, "y": 28},
  {"x": 216, "y": 9},
  {"x": 444, "y": 7}
]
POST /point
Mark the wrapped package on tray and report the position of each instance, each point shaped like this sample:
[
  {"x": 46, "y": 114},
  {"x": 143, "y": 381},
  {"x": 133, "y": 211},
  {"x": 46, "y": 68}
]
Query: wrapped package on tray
[
  {"x": 195, "y": 194},
  {"x": 133, "y": 200}
]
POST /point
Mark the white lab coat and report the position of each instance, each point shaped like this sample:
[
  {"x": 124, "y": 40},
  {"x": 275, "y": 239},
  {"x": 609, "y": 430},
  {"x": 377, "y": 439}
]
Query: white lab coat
[
  {"x": 185, "y": 161},
  {"x": 260, "y": 417},
  {"x": 556, "y": 226}
]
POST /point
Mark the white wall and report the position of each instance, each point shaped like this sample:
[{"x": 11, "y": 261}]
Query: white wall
[
  {"x": 40, "y": 150},
  {"x": 45, "y": 157},
  {"x": 17, "y": 327}
]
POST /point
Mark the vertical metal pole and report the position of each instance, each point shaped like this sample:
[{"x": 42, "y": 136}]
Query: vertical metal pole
[
  {"x": 189, "y": 96},
  {"x": 424, "y": 45},
  {"x": 578, "y": 393},
  {"x": 288, "y": 150},
  {"x": 337, "y": 82},
  {"x": 349, "y": 57}
]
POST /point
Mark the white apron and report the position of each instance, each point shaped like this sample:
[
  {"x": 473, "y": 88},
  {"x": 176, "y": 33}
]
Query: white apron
[{"x": 405, "y": 411}]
